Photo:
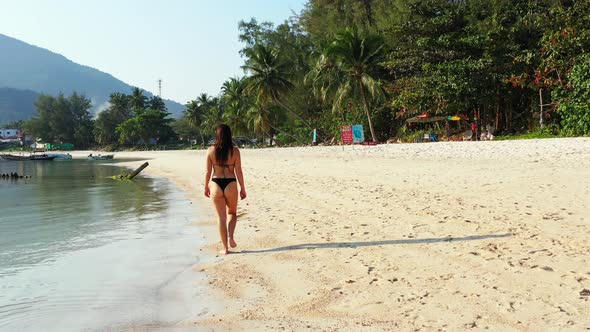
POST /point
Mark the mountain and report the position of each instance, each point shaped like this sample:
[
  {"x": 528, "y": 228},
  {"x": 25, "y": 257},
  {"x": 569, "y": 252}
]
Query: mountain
[
  {"x": 28, "y": 67},
  {"x": 16, "y": 104}
]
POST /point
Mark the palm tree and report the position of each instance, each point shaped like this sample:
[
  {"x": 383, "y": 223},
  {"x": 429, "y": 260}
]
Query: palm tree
[
  {"x": 193, "y": 113},
  {"x": 198, "y": 114},
  {"x": 119, "y": 106},
  {"x": 156, "y": 103},
  {"x": 211, "y": 118},
  {"x": 138, "y": 99},
  {"x": 232, "y": 103},
  {"x": 233, "y": 90},
  {"x": 269, "y": 77},
  {"x": 346, "y": 71},
  {"x": 258, "y": 118},
  {"x": 325, "y": 78},
  {"x": 205, "y": 101}
]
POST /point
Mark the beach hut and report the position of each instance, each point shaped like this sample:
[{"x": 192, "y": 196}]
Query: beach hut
[{"x": 461, "y": 120}]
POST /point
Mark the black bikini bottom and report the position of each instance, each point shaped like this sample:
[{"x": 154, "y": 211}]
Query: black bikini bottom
[{"x": 223, "y": 182}]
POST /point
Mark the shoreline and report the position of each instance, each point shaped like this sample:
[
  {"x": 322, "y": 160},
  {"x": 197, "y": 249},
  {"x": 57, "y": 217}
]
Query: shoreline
[
  {"x": 401, "y": 236},
  {"x": 101, "y": 256},
  {"x": 203, "y": 308}
]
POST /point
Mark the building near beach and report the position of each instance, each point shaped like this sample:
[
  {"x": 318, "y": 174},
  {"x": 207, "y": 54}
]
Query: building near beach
[{"x": 9, "y": 133}]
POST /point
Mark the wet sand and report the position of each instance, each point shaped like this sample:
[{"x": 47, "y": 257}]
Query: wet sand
[{"x": 425, "y": 236}]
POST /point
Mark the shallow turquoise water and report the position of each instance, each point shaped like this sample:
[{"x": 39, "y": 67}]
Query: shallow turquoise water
[{"x": 80, "y": 251}]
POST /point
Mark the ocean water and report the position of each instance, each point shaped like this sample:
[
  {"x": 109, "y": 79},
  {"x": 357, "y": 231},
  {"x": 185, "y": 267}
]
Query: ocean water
[{"x": 80, "y": 251}]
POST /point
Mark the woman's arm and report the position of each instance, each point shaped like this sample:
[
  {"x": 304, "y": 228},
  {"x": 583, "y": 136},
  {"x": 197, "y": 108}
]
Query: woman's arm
[
  {"x": 209, "y": 168},
  {"x": 239, "y": 174}
]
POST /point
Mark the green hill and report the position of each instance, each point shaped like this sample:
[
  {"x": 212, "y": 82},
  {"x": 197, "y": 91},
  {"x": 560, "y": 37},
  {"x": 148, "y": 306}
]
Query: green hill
[
  {"x": 28, "y": 67},
  {"x": 16, "y": 104}
]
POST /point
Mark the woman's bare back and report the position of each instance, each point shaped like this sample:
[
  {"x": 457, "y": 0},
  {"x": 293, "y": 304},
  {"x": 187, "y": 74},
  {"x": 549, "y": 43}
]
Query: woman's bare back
[{"x": 223, "y": 169}]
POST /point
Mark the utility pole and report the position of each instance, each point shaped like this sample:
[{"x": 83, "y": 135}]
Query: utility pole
[{"x": 160, "y": 88}]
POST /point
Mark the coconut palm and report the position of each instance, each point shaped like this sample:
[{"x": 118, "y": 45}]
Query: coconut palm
[
  {"x": 205, "y": 101},
  {"x": 233, "y": 90},
  {"x": 156, "y": 103},
  {"x": 193, "y": 113},
  {"x": 212, "y": 117},
  {"x": 119, "y": 106},
  {"x": 269, "y": 79},
  {"x": 235, "y": 117},
  {"x": 233, "y": 103},
  {"x": 346, "y": 71},
  {"x": 259, "y": 120},
  {"x": 138, "y": 99},
  {"x": 325, "y": 78}
]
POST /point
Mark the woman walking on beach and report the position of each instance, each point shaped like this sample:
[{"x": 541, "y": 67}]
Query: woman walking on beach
[{"x": 223, "y": 161}]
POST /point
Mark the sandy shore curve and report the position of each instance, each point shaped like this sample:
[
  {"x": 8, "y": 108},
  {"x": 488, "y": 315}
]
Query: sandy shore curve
[{"x": 429, "y": 236}]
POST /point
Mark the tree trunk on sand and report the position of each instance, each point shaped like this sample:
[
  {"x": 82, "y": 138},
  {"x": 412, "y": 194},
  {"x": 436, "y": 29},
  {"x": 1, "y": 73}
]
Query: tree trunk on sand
[
  {"x": 202, "y": 138},
  {"x": 366, "y": 106}
]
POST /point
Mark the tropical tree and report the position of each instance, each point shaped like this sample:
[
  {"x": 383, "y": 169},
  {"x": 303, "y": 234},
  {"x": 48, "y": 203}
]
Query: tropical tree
[
  {"x": 212, "y": 117},
  {"x": 233, "y": 91},
  {"x": 63, "y": 119},
  {"x": 269, "y": 79},
  {"x": 233, "y": 103},
  {"x": 206, "y": 101},
  {"x": 347, "y": 72},
  {"x": 138, "y": 99},
  {"x": 107, "y": 121},
  {"x": 148, "y": 124},
  {"x": 156, "y": 103},
  {"x": 259, "y": 120},
  {"x": 194, "y": 116}
]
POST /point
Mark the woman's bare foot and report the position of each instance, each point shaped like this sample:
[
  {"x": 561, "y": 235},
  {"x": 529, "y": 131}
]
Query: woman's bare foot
[
  {"x": 224, "y": 252},
  {"x": 232, "y": 243}
]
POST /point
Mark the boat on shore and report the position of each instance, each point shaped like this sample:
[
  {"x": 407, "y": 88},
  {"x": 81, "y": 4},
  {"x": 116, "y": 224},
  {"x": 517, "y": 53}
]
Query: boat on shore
[
  {"x": 101, "y": 157},
  {"x": 33, "y": 157},
  {"x": 60, "y": 156}
]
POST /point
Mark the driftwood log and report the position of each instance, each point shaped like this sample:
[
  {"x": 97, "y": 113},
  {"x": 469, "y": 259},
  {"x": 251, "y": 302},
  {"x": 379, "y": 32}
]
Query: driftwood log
[{"x": 132, "y": 175}]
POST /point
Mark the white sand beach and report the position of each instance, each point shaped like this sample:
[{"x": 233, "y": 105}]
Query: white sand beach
[{"x": 449, "y": 236}]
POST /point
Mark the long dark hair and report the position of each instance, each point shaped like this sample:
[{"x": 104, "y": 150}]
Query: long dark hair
[{"x": 223, "y": 143}]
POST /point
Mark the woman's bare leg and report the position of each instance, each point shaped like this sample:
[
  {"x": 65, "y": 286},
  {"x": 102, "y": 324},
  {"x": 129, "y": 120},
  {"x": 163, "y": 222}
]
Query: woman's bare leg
[
  {"x": 231, "y": 199},
  {"x": 220, "y": 204}
]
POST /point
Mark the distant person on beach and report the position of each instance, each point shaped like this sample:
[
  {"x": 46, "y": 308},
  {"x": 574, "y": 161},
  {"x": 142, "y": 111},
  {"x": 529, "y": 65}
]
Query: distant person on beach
[{"x": 224, "y": 162}]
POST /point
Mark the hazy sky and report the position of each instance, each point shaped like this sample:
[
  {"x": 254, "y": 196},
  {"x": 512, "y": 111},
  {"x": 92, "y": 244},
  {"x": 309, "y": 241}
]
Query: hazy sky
[{"x": 191, "y": 44}]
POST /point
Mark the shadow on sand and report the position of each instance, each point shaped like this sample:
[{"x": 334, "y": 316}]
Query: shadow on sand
[{"x": 333, "y": 245}]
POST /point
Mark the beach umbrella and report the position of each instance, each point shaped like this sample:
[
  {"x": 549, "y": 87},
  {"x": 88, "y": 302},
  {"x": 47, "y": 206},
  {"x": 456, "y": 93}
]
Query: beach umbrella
[{"x": 426, "y": 118}]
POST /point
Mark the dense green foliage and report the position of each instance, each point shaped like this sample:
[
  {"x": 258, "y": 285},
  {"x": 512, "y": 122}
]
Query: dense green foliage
[
  {"x": 520, "y": 66},
  {"x": 379, "y": 62},
  {"x": 133, "y": 119},
  {"x": 129, "y": 120},
  {"x": 574, "y": 105},
  {"x": 62, "y": 120}
]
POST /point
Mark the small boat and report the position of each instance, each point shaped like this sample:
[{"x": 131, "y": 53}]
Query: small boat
[
  {"x": 14, "y": 157},
  {"x": 101, "y": 157},
  {"x": 60, "y": 156},
  {"x": 33, "y": 157}
]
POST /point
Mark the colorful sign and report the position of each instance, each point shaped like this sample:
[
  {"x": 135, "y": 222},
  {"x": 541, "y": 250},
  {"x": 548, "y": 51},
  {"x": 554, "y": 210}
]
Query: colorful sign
[
  {"x": 358, "y": 134},
  {"x": 346, "y": 134}
]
